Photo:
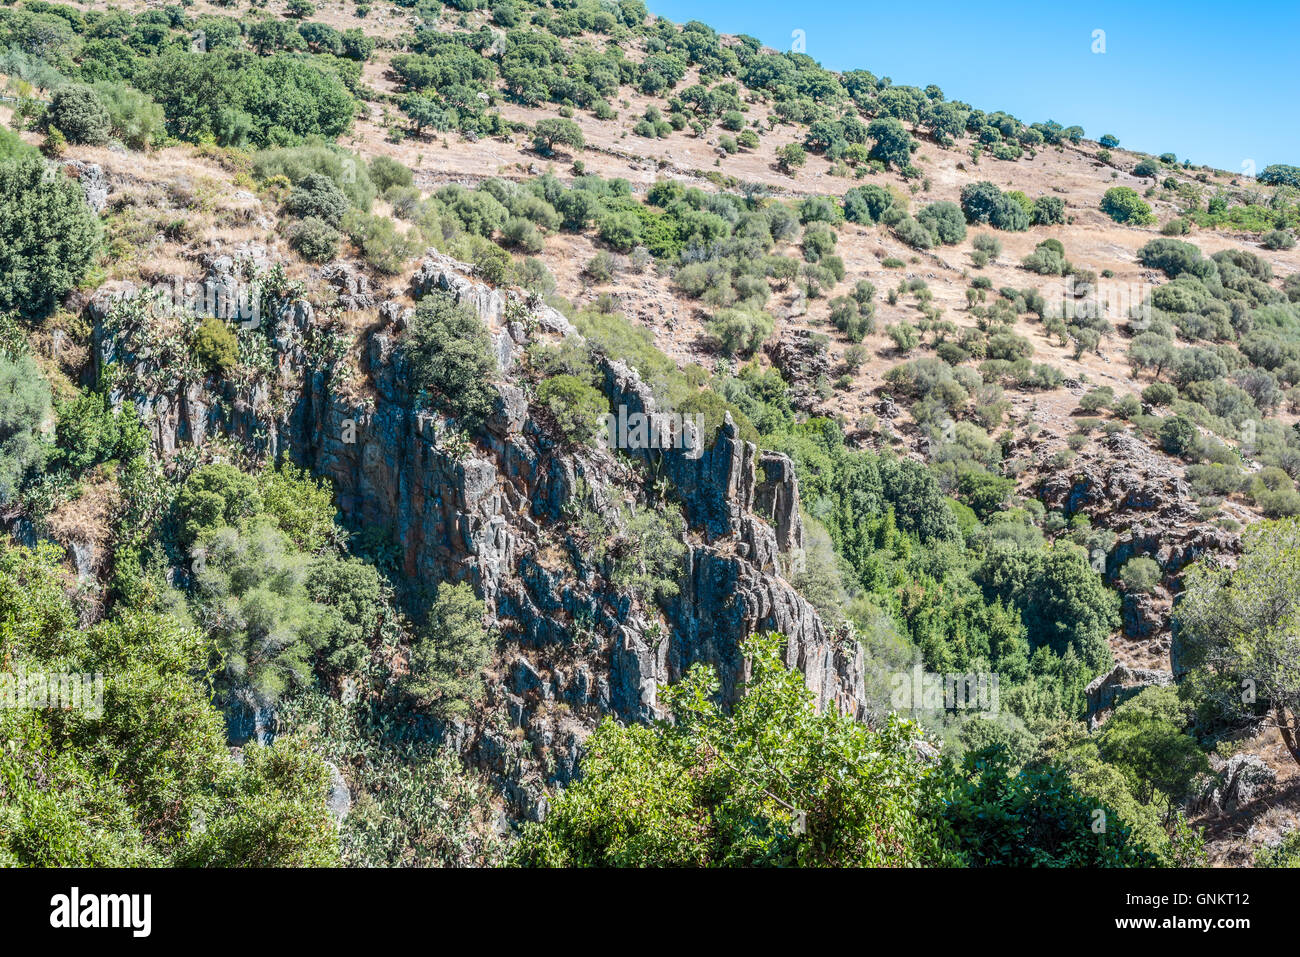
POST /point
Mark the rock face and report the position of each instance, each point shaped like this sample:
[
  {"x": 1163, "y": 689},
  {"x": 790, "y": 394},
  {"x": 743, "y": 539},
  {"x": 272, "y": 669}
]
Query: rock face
[
  {"x": 339, "y": 799},
  {"x": 1242, "y": 779},
  {"x": 1143, "y": 498},
  {"x": 496, "y": 517},
  {"x": 802, "y": 358},
  {"x": 94, "y": 184},
  {"x": 1117, "y": 686}
]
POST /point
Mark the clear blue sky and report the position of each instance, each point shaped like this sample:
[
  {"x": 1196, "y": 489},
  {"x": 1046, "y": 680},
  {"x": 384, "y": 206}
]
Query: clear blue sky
[{"x": 1215, "y": 83}]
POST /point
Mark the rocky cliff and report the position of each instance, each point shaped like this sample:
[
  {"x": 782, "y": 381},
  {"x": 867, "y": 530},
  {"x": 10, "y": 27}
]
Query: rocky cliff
[{"x": 496, "y": 514}]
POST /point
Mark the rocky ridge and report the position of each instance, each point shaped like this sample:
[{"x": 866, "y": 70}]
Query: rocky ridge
[{"x": 572, "y": 649}]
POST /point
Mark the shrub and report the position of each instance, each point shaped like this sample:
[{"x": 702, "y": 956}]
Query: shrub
[
  {"x": 382, "y": 246},
  {"x": 78, "y": 113},
  {"x": 1278, "y": 239},
  {"x": 449, "y": 654},
  {"x": 576, "y": 406},
  {"x": 24, "y": 406},
  {"x": 314, "y": 239},
  {"x": 89, "y": 432},
  {"x": 622, "y": 230},
  {"x": 600, "y": 268},
  {"x": 449, "y": 351},
  {"x": 48, "y": 236},
  {"x": 945, "y": 220},
  {"x": 740, "y": 331},
  {"x": 215, "y": 346},
  {"x": 1046, "y": 260},
  {"x": 318, "y": 197},
  {"x": 1147, "y": 169},
  {"x": 1124, "y": 205},
  {"x": 870, "y": 204},
  {"x": 1140, "y": 574},
  {"x": 990, "y": 245},
  {"x": 1049, "y": 211},
  {"x": 1178, "y": 435},
  {"x": 1094, "y": 400},
  {"x": 905, "y": 336},
  {"x": 133, "y": 117},
  {"x": 519, "y": 233},
  {"x": 344, "y": 169},
  {"x": 386, "y": 171},
  {"x": 909, "y": 231}
]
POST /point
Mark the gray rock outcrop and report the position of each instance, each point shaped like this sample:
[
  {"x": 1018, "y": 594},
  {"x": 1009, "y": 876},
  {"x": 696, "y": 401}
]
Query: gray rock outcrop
[{"x": 480, "y": 516}]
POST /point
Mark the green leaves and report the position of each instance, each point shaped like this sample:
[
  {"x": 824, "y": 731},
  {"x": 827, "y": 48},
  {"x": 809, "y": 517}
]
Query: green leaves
[
  {"x": 449, "y": 351},
  {"x": 48, "y": 236},
  {"x": 990, "y": 817},
  {"x": 449, "y": 654},
  {"x": 772, "y": 782}
]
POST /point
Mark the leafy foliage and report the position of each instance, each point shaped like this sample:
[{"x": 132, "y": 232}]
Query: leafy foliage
[{"x": 48, "y": 236}]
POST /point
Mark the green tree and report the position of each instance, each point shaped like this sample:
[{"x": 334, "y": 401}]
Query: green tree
[
  {"x": 557, "y": 131},
  {"x": 48, "y": 236},
  {"x": 270, "y": 812},
  {"x": 450, "y": 355},
  {"x": 1146, "y": 739},
  {"x": 24, "y": 407},
  {"x": 576, "y": 406},
  {"x": 77, "y": 112},
  {"x": 891, "y": 144},
  {"x": 449, "y": 654},
  {"x": 769, "y": 782},
  {"x": 791, "y": 157},
  {"x": 133, "y": 117},
  {"x": 1063, "y": 602},
  {"x": 990, "y": 816},
  {"x": 250, "y": 595},
  {"x": 1124, "y": 205},
  {"x": 945, "y": 220},
  {"x": 1237, "y": 629}
]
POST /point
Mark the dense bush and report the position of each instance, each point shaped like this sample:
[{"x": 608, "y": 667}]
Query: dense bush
[
  {"x": 450, "y": 354},
  {"x": 740, "y": 331},
  {"x": 24, "y": 406},
  {"x": 644, "y": 792},
  {"x": 449, "y": 654},
  {"x": 1125, "y": 206},
  {"x": 215, "y": 346},
  {"x": 48, "y": 236},
  {"x": 945, "y": 221},
  {"x": 314, "y": 239},
  {"x": 1140, "y": 574},
  {"x": 133, "y": 117},
  {"x": 77, "y": 112},
  {"x": 317, "y": 196},
  {"x": 576, "y": 405}
]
